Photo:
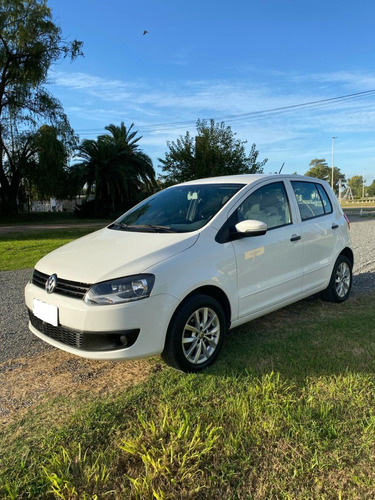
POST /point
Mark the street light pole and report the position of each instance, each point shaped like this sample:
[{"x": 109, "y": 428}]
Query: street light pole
[
  {"x": 333, "y": 163},
  {"x": 363, "y": 183}
]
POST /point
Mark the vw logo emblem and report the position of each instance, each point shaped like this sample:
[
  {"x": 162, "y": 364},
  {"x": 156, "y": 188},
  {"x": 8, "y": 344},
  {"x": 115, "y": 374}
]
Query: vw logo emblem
[{"x": 51, "y": 283}]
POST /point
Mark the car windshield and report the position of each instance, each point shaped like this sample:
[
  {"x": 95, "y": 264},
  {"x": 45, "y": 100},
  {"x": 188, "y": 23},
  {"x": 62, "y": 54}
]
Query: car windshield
[{"x": 178, "y": 209}]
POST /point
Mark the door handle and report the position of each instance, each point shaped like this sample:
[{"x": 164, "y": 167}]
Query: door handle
[
  {"x": 295, "y": 237},
  {"x": 334, "y": 226}
]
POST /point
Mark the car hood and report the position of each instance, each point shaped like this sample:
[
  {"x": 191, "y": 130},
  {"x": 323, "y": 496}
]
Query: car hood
[{"x": 108, "y": 253}]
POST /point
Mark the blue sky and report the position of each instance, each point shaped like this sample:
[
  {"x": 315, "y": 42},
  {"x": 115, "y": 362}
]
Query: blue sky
[{"x": 249, "y": 63}]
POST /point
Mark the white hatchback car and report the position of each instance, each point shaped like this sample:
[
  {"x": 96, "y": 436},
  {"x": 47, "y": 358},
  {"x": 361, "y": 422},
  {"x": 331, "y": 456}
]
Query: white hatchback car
[{"x": 175, "y": 272}]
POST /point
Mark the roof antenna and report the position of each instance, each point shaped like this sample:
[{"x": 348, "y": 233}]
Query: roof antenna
[{"x": 282, "y": 166}]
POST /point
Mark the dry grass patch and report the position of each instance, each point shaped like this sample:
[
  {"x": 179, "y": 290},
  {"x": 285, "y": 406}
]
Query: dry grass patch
[{"x": 26, "y": 382}]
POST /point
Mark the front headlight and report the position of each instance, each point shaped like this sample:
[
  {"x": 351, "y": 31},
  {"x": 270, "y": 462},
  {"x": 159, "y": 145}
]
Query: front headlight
[{"x": 121, "y": 290}]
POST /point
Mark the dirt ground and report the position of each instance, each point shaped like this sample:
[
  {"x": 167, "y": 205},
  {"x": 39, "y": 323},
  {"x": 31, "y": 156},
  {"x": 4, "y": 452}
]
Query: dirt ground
[{"x": 26, "y": 382}]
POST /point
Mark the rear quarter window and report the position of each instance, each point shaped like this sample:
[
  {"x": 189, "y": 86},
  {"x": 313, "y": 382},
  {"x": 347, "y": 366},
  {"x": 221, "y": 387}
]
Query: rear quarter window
[{"x": 312, "y": 198}]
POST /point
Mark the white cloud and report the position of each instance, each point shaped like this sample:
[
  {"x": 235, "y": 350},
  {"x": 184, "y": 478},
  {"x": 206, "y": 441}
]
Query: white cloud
[
  {"x": 164, "y": 110},
  {"x": 359, "y": 81},
  {"x": 168, "y": 107}
]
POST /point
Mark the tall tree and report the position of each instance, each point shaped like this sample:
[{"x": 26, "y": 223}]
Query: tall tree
[
  {"x": 41, "y": 159},
  {"x": 320, "y": 170},
  {"x": 371, "y": 189},
  {"x": 214, "y": 151},
  {"x": 115, "y": 169},
  {"x": 356, "y": 184},
  {"x": 29, "y": 43},
  {"x": 140, "y": 172}
]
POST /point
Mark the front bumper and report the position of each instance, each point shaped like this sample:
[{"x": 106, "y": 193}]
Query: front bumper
[{"x": 107, "y": 332}]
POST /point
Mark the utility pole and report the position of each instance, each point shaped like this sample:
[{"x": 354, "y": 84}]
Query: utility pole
[
  {"x": 363, "y": 183},
  {"x": 333, "y": 163}
]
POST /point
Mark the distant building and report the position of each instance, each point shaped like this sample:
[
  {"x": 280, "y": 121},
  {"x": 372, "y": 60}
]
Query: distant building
[{"x": 54, "y": 205}]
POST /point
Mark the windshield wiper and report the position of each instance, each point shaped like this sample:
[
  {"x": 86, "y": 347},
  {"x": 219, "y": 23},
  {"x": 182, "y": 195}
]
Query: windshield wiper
[
  {"x": 118, "y": 225},
  {"x": 154, "y": 228},
  {"x": 151, "y": 228}
]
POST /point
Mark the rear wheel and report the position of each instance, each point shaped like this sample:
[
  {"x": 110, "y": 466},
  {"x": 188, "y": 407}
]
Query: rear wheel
[
  {"x": 195, "y": 334},
  {"x": 340, "y": 284}
]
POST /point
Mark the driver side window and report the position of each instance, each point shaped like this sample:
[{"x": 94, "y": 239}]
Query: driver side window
[{"x": 267, "y": 204}]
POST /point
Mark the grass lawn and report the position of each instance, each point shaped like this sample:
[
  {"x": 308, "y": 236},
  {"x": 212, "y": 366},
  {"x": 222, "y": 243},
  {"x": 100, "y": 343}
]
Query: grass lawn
[
  {"x": 287, "y": 412},
  {"x": 22, "y": 250},
  {"x": 358, "y": 205}
]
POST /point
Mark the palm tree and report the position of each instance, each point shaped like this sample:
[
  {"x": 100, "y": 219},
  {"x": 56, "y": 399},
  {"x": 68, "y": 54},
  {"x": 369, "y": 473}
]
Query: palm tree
[
  {"x": 140, "y": 172},
  {"x": 114, "y": 167}
]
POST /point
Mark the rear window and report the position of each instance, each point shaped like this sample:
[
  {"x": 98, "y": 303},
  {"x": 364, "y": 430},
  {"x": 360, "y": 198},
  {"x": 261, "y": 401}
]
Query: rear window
[{"x": 313, "y": 200}]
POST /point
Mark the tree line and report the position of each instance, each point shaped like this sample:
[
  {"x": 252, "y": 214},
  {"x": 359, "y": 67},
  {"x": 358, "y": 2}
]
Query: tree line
[
  {"x": 354, "y": 185},
  {"x": 42, "y": 157}
]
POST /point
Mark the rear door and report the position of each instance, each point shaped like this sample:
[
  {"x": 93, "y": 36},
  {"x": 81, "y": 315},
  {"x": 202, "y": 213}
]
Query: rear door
[{"x": 319, "y": 231}]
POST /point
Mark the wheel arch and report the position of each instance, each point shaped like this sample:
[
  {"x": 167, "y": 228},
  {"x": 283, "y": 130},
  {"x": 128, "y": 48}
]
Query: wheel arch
[
  {"x": 347, "y": 252},
  {"x": 174, "y": 352},
  {"x": 339, "y": 285},
  {"x": 214, "y": 292}
]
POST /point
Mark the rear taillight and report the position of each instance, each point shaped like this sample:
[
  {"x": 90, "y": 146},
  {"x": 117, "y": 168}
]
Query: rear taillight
[{"x": 347, "y": 220}]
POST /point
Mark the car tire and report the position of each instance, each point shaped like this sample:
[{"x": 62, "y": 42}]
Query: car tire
[
  {"x": 195, "y": 334},
  {"x": 340, "y": 283}
]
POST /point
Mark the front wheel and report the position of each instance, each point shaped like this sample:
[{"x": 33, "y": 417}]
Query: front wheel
[
  {"x": 340, "y": 284},
  {"x": 195, "y": 334}
]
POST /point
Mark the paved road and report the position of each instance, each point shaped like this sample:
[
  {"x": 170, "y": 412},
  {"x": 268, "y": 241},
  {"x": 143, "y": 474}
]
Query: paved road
[{"x": 16, "y": 340}]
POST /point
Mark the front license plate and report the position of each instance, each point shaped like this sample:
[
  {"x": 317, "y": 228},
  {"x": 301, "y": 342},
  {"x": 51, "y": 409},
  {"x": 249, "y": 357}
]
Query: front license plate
[{"x": 46, "y": 312}]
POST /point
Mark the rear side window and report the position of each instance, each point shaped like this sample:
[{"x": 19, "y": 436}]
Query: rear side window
[{"x": 313, "y": 201}]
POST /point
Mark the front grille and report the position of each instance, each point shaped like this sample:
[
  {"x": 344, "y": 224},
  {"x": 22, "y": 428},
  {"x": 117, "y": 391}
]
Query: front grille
[
  {"x": 67, "y": 336},
  {"x": 86, "y": 341},
  {"x": 68, "y": 288}
]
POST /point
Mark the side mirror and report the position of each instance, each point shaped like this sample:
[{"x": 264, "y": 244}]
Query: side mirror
[{"x": 251, "y": 228}]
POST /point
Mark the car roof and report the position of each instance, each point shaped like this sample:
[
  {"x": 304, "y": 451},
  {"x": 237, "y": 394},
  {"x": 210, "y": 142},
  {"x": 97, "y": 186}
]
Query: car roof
[{"x": 249, "y": 179}]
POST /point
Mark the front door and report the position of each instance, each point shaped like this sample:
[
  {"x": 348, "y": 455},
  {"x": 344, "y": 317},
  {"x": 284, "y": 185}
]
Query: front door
[{"x": 269, "y": 267}]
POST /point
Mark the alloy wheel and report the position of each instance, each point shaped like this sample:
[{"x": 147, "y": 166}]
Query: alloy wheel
[
  {"x": 343, "y": 279},
  {"x": 201, "y": 335}
]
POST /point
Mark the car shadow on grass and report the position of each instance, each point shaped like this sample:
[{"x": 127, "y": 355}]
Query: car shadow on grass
[{"x": 311, "y": 338}]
